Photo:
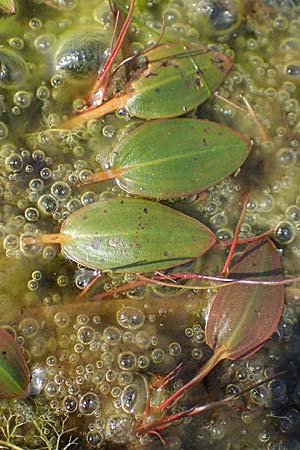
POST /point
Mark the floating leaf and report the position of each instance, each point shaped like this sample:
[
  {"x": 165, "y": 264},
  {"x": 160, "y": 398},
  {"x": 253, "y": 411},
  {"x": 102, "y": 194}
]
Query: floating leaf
[
  {"x": 243, "y": 317},
  {"x": 14, "y": 371},
  {"x": 175, "y": 79},
  {"x": 130, "y": 235},
  {"x": 175, "y": 157}
]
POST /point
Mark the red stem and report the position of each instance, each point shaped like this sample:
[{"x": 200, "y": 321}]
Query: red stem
[{"x": 235, "y": 237}]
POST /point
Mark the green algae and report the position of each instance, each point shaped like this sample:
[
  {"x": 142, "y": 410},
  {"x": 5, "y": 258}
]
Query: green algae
[{"x": 82, "y": 355}]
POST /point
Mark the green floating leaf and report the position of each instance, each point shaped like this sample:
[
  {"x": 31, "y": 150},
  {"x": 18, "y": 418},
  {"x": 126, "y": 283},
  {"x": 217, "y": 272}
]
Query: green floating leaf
[
  {"x": 131, "y": 235},
  {"x": 243, "y": 317},
  {"x": 176, "y": 157},
  {"x": 177, "y": 79},
  {"x": 7, "y": 7},
  {"x": 14, "y": 371}
]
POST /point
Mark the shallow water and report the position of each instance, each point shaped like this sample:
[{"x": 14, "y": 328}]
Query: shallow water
[{"x": 91, "y": 360}]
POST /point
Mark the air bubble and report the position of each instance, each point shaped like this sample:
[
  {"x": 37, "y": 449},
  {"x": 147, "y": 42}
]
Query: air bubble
[
  {"x": 86, "y": 335},
  {"x": 51, "y": 389},
  {"x": 32, "y": 249},
  {"x": 14, "y": 162},
  {"x": 87, "y": 198},
  {"x": 44, "y": 43},
  {"x": 11, "y": 241},
  {"x": 127, "y": 360},
  {"x": 36, "y": 184},
  {"x": 143, "y": 362},
  {"x": 278, "y": 389},
  {"x": 46, "y": 173},
  {"x": 111, "y": 335},
  {"x": 130, "y": 318},
  {"x": 49, "y": 252},
  {"x": 95, "y": 439},
  {"x": 42, "y": 93},
  {"x": 62, "y": 281},
  {"x": 89, "y": 403},
  {"x": 158, "y": 355},
  {"x": 129, "y": 398},
  {"x": 142, "y": 340},
  {"x": 174, "y": 349},
  {"x": 31, "y": 214},
  {"x": 108, "y": 131},
  {"x": 286, "y": 157},
  {"x": 197, "y": 353},
  {"x": 285, "y": 232},
  {"x": 79, "y": 104},
  {"x": 29, "y": 327},
  {"x": 70, "y": 404},
  {"x": 119, "y": 429},
  {"x": 61, "y": 190},
  {"x": 3, "y": 131},
  {"x": 47, "y": 204},
  {"x": 62, "y": 319}
]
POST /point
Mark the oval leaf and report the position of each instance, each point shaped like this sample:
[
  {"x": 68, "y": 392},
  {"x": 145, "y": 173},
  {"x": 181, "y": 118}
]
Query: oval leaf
[
  {"x": 132, "y": 235},
  {"x": 244, "y": 316},
  {"x": 176, "y": 157},
  {"x": 176, "y": 80},
  {"x": 14, "y": 371}
]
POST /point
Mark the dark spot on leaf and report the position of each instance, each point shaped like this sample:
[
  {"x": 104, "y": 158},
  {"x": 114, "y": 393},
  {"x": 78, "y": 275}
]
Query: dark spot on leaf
[
  {"x": 4, "y": 354},
  {"x": 204, "y": 141},
  {"x": 157, "y": 90},
  {"x": 166, "y": 253},
  {"x": 150, "y": 74},
  {"x": 146, "y": 210},
  {"x": 84, "y": 217},
  {"x": 95, "y": 243}
]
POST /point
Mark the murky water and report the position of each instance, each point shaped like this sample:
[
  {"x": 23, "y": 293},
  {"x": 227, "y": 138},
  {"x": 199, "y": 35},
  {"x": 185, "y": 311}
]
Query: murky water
[{"x": 94, "y": 362}]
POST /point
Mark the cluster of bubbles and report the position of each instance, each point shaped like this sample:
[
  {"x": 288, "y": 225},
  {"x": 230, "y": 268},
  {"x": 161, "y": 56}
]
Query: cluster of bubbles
[{"x": 84, "y": 368}]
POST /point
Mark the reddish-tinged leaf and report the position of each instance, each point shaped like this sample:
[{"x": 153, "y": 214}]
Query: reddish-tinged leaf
[
  {"x": 14, "y": 371},
  {"x": 243, "y": 317}
]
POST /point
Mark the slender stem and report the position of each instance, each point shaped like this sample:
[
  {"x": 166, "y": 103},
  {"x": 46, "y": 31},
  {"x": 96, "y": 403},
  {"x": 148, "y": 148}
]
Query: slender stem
[
  {"x": 203, "y": 372},
  {"x": 160, "y": 424},
  {"x": 235, "y": 237},
  {"x": 118, "y": 290},
  {"x": 93, "y": 114},
  {"x": 104, "y": 175},
  {"x": 55, "y": 238},
  {"x": 103, "y": 77},
  {"x": 261, "y": 129},
  {"x": 246, "y": 240}
]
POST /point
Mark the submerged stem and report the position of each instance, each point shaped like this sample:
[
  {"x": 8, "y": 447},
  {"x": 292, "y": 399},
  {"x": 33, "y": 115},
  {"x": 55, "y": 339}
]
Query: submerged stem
[
  {"x": 203, "y": 372},
  {"x": 162, "y": 423}
]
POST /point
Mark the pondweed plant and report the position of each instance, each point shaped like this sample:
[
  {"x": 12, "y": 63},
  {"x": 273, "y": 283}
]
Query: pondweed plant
[{"x": 112, "y": 85}]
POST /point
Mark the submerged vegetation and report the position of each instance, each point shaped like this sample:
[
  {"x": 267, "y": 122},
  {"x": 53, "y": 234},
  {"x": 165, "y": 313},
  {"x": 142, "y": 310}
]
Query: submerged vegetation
[{"x": 118, "y": 330}]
